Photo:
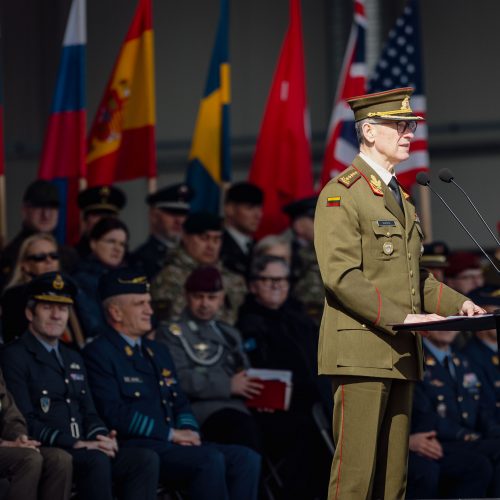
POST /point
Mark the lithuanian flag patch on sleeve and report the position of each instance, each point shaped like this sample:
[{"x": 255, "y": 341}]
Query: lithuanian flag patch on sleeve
[{"x": 333, "y": 201}]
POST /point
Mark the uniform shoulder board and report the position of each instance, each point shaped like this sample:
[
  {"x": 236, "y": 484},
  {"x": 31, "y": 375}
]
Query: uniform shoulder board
[
  {"x": 175, "y": 329},
  {"x": 349, "y": 177}
]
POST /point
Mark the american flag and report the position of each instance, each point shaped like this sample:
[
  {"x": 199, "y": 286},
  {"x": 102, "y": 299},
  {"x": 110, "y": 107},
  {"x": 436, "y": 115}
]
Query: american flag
[
  {"x": 400, "y": 66},
  {"x": 342, "y": 145}
]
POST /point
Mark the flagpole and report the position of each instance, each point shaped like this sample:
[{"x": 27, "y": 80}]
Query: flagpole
[
  {"x": 3, "y": 213},
  {"x": 152, "y": 184},
  {"x": 425, "y": 211}
]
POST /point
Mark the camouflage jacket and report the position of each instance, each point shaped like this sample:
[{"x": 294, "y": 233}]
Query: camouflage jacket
[{"x": 167, "y": 288}]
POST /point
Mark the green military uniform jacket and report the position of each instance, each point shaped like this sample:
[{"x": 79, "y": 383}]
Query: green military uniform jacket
[
  {"x": 167, "y": 288},
  {"x": 206, "y": 355},
  {"x": 368, "y": 252},
  {"x": 12, "y": 423}
]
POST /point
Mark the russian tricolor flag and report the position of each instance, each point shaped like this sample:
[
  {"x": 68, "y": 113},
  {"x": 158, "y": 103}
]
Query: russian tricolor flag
[{"x": 64, "y": 151}]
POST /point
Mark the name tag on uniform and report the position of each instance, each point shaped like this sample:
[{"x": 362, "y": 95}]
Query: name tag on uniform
[
  {"x": 386, "y": 222},
  {"x": 79, "y": 377},
  {"x": 132, "y": 380}
]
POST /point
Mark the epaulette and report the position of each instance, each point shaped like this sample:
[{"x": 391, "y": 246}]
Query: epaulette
[{"x": 349, "y": 177}]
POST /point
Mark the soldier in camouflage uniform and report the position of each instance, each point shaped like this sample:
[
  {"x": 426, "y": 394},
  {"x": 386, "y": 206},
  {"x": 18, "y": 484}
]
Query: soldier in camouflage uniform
[
  {"x": 201, "y": 243},
  {"x": 307, "y": 285},
  {"x": 211, "y": 363}
]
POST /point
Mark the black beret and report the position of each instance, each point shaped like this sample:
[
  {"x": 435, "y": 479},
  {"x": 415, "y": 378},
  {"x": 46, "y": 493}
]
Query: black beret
[
  {"x": 173, "y": 198},
  {"x": 52, "y": 287},
  {"x": 102, "y": 199},
  {"x": 435, "y": 255},
  {"x": 245, "y": 192},
  {"x": 199, "y": 222},
  {"x": 122, "y": 281},
  {"x": 304, "y": 207},
  {"x": 42, "y": 194},
  {"x": 204, "y": 279},
  {"x": 488, "y": 295}
]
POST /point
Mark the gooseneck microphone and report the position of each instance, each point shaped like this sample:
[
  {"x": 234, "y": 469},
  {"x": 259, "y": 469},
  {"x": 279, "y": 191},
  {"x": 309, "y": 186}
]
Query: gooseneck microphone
[
  {"x": 424, "y": 180},
  {"x": 446, "y": 175}
]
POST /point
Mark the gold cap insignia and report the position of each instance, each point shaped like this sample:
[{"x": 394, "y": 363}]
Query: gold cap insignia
[
  {"x": 104, "y": 192},
  {"x": 405, "y": 105},
  {"x": 139, "y": 280},
  {"x": 58, "y": 283}
]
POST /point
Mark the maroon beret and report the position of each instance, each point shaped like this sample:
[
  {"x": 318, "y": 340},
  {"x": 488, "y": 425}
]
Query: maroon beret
[
  {"x": 204, "y": 279},
  {"x": 461, "y": 261}
]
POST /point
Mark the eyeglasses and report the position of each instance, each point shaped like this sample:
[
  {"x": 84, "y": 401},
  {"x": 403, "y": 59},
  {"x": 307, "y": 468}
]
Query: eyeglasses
[
  {"x": 402, "y": 126},
  {"x": 41, "y": 257},
  {"x": 273, "y": 281}
]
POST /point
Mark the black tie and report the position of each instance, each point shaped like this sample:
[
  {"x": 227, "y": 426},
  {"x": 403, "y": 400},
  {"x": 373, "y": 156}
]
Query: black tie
[
  {"x": 396, "y": 192},
  {"x": 55, "y": 355},
  {"x": 448, "y": 364}
]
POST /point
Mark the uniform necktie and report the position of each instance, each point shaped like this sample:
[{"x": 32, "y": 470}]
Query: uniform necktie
[
  {"x": 57, "y": 357},
  {"x": 393, "y": 184},
  {"x": 450, "y": 368}
]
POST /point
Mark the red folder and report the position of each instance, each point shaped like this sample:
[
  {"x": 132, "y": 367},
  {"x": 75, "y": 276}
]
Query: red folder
[{"x": 277, "y": 389}]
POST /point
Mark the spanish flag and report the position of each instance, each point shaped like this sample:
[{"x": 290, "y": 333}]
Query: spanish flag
[
  {"x": 210, "y": 157},
  {"x": 121, "y": 143}
]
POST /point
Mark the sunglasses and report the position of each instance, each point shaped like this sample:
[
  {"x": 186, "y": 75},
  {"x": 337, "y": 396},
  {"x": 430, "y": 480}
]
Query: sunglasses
[{"x": 41, "y": 257}]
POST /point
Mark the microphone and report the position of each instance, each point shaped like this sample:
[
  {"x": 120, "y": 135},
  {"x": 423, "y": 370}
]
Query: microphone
[
  {"x": 424, "y": 180},
  {"x": 446, "y": 175}
]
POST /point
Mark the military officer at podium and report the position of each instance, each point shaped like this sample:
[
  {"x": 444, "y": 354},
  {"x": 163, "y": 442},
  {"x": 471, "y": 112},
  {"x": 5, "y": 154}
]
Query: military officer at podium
[{"x": 368, "y": 240}]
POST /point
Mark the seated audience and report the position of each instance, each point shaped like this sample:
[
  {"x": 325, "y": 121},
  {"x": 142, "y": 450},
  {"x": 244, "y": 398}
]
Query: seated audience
[
  {"x": 136, "y": 389},
  {"x": 278, "y": 334},
  {"x": 482, "y": 348},
  {"x": 464, "y": 272},
  {"x": 108, "y": 244},
  {"x": 456, "y": 426},
  {"x": 168, "y": 209},
  {"x": 40, "y": 214},
  {"x": 276, "y": 245},
  {"x": 33, "y": 472},
  {"x": 38, "y": 254},
  {"x": 200, "y": 246},
  {"x": 306, "y": 283},
  {"x": 96, "y": 203},
  {"x": 242, "y": 216},
  {"x": 210, "y": 361},
  {"x": 435, "y": 259},
  {"x": 49, "y": 384},
  {"x": 491, "y": 276}
]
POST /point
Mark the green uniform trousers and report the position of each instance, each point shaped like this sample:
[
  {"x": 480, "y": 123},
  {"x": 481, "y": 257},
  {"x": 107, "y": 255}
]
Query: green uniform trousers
[{"x": 371, "y": 426}]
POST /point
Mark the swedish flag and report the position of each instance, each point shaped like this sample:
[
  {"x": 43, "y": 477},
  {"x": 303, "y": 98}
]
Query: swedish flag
[{"x": 209, "y": 159}]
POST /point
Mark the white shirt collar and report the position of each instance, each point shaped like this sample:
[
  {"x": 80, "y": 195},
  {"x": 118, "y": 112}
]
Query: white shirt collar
[
  {"x": 384, "y": 174},
  {"x": 241, "y": 239}
]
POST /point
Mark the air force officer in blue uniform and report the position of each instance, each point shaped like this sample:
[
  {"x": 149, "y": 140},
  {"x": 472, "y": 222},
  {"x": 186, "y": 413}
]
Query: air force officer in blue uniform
[
  {"x": 136, "y": 389},
  {"x": 49, "y": 384}
]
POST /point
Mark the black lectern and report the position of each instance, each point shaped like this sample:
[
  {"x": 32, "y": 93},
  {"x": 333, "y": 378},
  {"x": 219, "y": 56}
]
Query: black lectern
[{"x": 457, "y": 323}]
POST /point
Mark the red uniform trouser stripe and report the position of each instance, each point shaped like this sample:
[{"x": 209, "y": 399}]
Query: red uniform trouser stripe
[{"x": 341, "y": 445}]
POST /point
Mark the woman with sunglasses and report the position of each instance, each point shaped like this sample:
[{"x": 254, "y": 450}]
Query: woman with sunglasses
[
  {"x": 38, "y": 254},
  {"x": 108, "y": 244}
]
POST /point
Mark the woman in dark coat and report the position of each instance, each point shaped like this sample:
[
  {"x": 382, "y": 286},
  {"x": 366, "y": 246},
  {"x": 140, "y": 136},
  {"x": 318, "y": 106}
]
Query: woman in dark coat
[
  {"x": 278, "y": 334},
  {"x": 108, "y": 244}
]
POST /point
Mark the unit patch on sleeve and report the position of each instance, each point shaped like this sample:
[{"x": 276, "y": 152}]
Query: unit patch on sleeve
[{"x": 333, "y": 201}]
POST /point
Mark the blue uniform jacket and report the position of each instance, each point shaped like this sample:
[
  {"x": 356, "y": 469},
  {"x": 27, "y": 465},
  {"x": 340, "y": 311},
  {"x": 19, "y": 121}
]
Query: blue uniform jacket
[
  {"x": 56, "y": 402},
  {"x": 452, "y": 407},
  {"x": 486, "y": 364},
  {"x": 136, "y": 393}
]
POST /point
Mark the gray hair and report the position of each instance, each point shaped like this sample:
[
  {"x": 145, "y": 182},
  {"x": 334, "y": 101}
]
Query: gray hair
[
  {"x": 260, "y": 262},
  {"x": 359, "y": 128}
]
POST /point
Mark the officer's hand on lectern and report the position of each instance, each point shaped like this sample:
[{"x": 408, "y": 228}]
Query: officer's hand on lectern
[
  {"x": 470, "y": 309},
  {"x": 422, "y": 318}
]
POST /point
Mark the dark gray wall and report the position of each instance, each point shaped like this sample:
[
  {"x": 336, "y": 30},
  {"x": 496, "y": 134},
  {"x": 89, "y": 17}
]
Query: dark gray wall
[{"x": 460, "y": 49}]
